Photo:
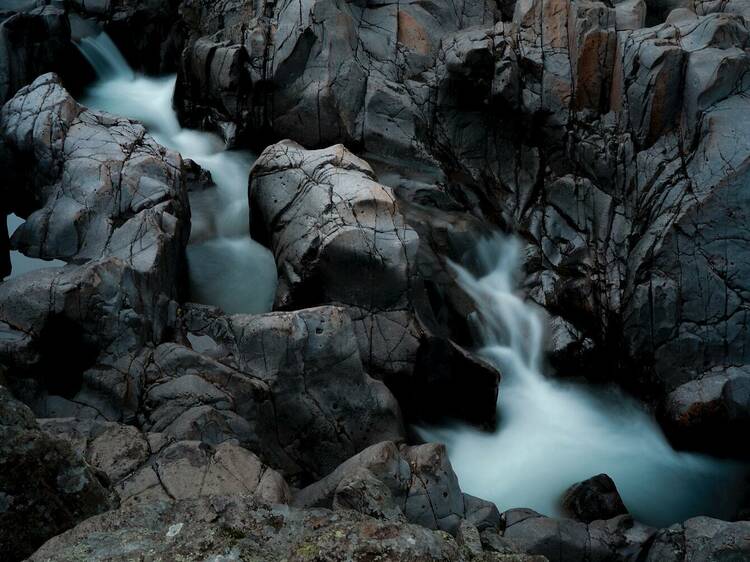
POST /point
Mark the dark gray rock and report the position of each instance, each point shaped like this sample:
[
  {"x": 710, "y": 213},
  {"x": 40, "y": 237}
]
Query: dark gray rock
[
  {"x": 156, "y": 45},
  {"x": 45, "y": 486},
  {"x": 417, "y": 483},
  {"x": 560, "y": 540},
  {"x": 338, "y": 237},
  {"x": 237, "y": 528},
  {"x": 300, "y": 385},
  {"x": 701, "y": 539},
  {"x": 99, "y": 193},
  {"x": 33, "y": 40},
  {"x": 592, "y": 499}
]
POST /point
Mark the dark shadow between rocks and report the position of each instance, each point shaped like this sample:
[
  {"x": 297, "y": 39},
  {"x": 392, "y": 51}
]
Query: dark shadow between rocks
[{"x": 64, "y": 355}]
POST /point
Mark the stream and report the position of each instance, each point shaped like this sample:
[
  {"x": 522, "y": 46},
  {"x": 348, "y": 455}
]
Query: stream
[
  {"x": 227, "y": 268},
  {"x": 554, "y": 433}
]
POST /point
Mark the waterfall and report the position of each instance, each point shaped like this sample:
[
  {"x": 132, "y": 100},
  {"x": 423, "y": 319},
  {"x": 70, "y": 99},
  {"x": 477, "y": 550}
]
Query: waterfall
[
  {"x": 104, "y": 57},
  {"x": 227, "y": 268},
  {"x": 552, "y": 433}
]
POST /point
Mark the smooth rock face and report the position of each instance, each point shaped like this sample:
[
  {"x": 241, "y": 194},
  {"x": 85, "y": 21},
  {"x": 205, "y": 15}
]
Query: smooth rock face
[
  {"x": 592, "y": 499},
  {"x": 45, "y": 486}
]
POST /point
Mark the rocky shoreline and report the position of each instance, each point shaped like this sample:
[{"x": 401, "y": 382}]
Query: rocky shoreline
[{"x": 612, "y": 137}]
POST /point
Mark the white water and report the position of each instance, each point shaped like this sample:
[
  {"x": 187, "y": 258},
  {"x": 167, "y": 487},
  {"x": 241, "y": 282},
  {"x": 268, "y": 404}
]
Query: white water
[
  {"x": 553, "y": 434},
  {"x": 227, "y": 268}
]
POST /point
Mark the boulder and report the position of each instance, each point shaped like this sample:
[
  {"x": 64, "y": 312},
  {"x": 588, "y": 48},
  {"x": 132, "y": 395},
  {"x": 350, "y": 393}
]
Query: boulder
[
  {"x": 592, "y": 499},
  {"x": 45, "y": 486},
  {"x": 560, "y": 540},
  {"x": 339, "y": 238},
  {"x": 416, "y": 483},
  {"x": 33, "y": 40},
  {"x": 299, "y": 383},
  {"x": 699, "y": 539},
  {"x": 99, "y": 193}
]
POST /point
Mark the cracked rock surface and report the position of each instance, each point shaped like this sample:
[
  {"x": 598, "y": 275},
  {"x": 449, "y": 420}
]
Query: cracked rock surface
[
  {"x": 611, "y": 136},
  {"x": 339, "y": 237}
]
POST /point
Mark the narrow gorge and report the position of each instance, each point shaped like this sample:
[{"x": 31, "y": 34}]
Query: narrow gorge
[{"x": 336, "y": 280}]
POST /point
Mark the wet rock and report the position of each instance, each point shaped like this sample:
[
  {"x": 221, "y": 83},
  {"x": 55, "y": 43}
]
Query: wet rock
[
  {"x": 85, "y": 160},
  {"x": 99, "y": 193},
  {"x": 595, "y": 498},
  {"x": 45, "y": 486},
  {"x": 338, "y": 237},
  {"x": 155, "y": 47},
  {"x": 706, "y": 412}
]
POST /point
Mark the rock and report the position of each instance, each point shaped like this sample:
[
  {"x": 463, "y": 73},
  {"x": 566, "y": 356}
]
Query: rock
[
  {"x": 84, "y": 160},
  {"x": 362, "y": 492},
  {"x": 32, "y": 41},
  {"x": 99, "y": 193},
  {"x": 144, "y": 467},
  {"x": 561, "y": 540},
  {"x": 701, "y": 538},
  {"x": 5, "y": 265},
  {"x": 341, "y": 219},
  {"x": 190, "y": 469},
  {"x": 45, "y": 487},
  {"x": 339, "y": 238},
  {"x": 708, "y": 411},
  {"x": 592, "y": 499},
  {"x": 320, "y": 408},
  {"x": 156, "y": 46},
  {"x": 115, "y": 449},
  {"x": 239, "y": 527},
  {"x": 420, "y": 485}
]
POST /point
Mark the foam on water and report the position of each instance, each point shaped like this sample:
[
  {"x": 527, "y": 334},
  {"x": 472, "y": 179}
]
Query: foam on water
[
  {"x": 227, "y": 268},
  {"x": 553, "y": 434}
]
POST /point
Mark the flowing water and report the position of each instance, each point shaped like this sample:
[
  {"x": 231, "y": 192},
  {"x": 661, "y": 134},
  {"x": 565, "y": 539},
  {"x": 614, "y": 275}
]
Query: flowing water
[
  {"x": 227, "y": 268},
  {"x": 553, "y": 434}
]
